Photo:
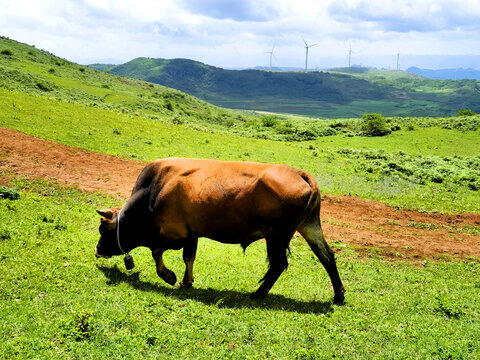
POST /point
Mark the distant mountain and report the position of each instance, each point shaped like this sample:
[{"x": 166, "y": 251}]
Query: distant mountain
[
  {"x": 102, "y": 67},
  {"x": 274, "y": 68},
  {"x": 447, "y": 74},
  {"x": 343, "y": 92}
]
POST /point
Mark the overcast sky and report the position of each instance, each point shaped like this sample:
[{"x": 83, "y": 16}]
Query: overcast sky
[{"x": 237, "y": 34}]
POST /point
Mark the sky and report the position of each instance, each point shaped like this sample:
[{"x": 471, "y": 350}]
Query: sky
[{"x": 240, "y": 33}]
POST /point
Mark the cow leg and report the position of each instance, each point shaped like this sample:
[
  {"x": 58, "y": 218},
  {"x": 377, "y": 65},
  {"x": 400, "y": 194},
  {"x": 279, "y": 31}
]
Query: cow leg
[
  {"x": 313, "y": 234},
  {"x": 167, "y": 275},
  {"x": 277, "y": 257},
  {"x": 189, "y": 253}
]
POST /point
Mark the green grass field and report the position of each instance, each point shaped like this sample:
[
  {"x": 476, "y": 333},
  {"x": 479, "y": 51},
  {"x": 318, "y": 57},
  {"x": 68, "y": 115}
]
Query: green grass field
[
  {"x": 58, "y": 301},
  {"x": 427, "y": 168}
]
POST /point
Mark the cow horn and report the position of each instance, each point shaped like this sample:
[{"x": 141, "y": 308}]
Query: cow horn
[{"x": 108, "y": 214}]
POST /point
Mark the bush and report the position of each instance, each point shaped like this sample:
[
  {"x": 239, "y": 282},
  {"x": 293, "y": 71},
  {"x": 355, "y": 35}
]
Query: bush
[
  {"x": 374, "y": 125},
  {"x": 42, "y": 86},
  {"x": 7, "y": 193},
  {"x": 269, "y": 121},
  {"x": 6, "y": 52},
  {"x": 466, "y": 112},
  {"x": 169, "y": 106},
  {"x": 285, "y": 128}
]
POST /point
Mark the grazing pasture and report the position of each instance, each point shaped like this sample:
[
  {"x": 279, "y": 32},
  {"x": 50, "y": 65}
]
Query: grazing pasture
[
  {"x": 427, "y": 167},
  {"x": 58, "y": 301}
]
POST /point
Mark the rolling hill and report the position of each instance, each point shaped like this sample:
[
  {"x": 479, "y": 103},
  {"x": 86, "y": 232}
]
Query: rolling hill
[
  {"x": 345, "y": 92},
  {"x": 25, "y": 69}
]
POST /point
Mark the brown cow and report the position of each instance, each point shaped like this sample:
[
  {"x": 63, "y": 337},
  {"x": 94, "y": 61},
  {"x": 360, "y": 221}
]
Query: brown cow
[{"x": 175, "y": 201}]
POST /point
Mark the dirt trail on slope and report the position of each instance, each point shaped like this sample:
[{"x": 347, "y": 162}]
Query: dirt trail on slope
[{"x": 363, "y": 223}]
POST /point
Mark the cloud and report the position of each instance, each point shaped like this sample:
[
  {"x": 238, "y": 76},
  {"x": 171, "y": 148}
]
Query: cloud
[
  {"x": 407, "y": 16},
  {"x": 237, "y": 33},
  {"x": 246, "y": 10}
]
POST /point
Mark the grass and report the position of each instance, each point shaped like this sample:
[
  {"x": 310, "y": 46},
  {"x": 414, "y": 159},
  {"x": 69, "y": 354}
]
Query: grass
[
  {"x": 343, "y": 165},
  {"x": 59, "y": 301},
  {"x": 338, "y": 171}
]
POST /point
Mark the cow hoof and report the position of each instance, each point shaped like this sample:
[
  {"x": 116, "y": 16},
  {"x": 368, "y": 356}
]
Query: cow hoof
[
  {"x": 257, "y": 296},
  {"x": 168, "y": 276},
  {"x": 339, "y": 299},
  {"x": 186, "y": 285}
]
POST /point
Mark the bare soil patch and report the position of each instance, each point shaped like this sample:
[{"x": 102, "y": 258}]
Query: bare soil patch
[{"x": 368, "y": 225}]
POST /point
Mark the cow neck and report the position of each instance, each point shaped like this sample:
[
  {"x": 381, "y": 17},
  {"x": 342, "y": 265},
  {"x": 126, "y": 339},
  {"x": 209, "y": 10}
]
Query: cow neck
[{"x": 118, "y": 231}]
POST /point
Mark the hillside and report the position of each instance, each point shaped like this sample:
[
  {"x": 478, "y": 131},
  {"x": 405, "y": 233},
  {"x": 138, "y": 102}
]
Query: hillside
[
  {"x": 333, "y": 94},
  {"x": 26, "y": 69}
]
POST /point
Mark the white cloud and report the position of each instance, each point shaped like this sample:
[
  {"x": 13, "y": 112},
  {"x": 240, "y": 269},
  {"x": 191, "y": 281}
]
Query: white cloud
[{"x": 231, "y": 33}]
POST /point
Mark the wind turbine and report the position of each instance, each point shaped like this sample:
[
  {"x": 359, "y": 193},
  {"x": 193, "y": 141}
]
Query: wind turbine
[
  {"x": 306, "y": 53},
  {"x": 271, "y": 55},
  {"x": 398, "y": 60},
  {"x": 350, "y": 56}
]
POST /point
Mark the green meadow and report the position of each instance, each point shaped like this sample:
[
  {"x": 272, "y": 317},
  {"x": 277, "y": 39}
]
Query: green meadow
[
  {"x": 425, "y": 168},
  {"x": 59, "y": 301}
]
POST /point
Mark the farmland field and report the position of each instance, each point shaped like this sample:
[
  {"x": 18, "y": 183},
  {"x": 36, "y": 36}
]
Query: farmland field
[{"x": 402, "y": 213}]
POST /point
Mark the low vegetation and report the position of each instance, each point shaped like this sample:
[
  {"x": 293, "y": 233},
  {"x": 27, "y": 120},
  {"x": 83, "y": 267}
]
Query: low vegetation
[
  {"x": 370, "y": 167},
  {"x": 58, "y": 301},
  {"x": 374, "y": 125}
]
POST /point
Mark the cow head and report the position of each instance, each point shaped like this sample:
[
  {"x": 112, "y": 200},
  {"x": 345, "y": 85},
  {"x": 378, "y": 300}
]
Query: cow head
[{"x": 108, "y": 245}]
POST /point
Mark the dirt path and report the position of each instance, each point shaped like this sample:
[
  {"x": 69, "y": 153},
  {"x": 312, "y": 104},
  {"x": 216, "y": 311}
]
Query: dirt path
[{"x": 363, "y": 223}]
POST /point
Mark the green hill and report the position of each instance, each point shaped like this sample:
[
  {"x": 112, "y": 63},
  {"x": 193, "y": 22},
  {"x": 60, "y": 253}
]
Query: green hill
[
  {"x": 26, "y": 69},
  {"x": 343, "y": 92}
]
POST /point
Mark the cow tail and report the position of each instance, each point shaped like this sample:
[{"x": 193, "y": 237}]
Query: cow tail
[{"x": 312, "y": 209}]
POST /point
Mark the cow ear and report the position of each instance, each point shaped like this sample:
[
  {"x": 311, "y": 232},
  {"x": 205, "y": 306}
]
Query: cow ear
[{"x": 108, "y": 213}]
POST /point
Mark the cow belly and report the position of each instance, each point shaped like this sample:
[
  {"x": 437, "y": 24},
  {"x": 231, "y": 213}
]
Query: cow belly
[{"x": 229, "y": 237}]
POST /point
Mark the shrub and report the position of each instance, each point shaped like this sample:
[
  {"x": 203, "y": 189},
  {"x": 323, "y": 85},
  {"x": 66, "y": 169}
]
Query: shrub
[
  {"x": 42, "y": 86},
  {"x": 285, "y": 128},
  {"x": 6, "y": 52},
  {"x": 374, "y": 125},
  {"x": 269, "y": 121},
  {"x": 7, "y": 193},
  {"x": 169, "y": 106},
  {"x": 466, "y": 112},
  {"x": 327, "y": 131},
  {"x": 306, "y": 134},
  {"x": 178, "y": 120}
]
